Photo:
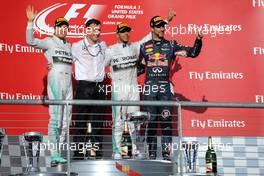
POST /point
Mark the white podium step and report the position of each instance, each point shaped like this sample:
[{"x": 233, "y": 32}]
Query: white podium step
[{"x": 123, "y": 168}]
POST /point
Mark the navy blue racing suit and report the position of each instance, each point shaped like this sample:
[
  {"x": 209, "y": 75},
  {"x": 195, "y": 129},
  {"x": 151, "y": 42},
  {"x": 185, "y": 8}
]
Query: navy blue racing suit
[{"x": 157, "y": 57}]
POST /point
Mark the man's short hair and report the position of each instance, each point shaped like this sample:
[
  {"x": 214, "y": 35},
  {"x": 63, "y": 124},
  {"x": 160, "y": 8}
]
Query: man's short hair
[{"x": 92, "y": 21}]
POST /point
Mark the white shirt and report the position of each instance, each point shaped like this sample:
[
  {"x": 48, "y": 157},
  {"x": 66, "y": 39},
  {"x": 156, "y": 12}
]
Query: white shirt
[{"x": 89, "y": 60}]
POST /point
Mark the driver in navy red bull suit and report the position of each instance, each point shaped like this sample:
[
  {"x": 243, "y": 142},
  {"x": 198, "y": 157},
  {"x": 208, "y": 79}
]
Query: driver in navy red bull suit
[{"x": 156, "y": 57}]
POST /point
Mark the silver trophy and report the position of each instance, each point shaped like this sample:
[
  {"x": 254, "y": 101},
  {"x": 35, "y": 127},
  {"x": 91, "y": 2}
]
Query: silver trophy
[
  {"x": 190, "y": 149},
  {"x": 2, "y": 136},
  {"x": 140, "y": 118},
  {"x": 31, "y": 142}
]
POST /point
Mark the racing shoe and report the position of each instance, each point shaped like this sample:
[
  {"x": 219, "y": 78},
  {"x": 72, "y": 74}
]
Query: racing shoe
[
  {"x": 152, "y": 156},
  {"x": 117, "y": 156},
  {"x": 57, "y": 159},
  {"x": 166, "y": 157}
]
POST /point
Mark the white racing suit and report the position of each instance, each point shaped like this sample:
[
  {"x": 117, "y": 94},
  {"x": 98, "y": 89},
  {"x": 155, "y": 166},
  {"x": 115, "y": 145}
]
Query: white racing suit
[
  {"x": 57, "y": 52},
  {"x": 123, "y": 59}
]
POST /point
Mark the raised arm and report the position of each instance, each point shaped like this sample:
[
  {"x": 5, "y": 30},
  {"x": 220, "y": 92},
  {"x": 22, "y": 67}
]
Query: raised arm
[
  {"x": 171, "y": 15},
  {"x": 30, "y": 39},
  {"x": 186, "y": 51}
]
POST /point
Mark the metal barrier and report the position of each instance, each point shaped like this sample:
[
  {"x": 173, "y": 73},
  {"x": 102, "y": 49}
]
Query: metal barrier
[{"x": 178, "y": 104}]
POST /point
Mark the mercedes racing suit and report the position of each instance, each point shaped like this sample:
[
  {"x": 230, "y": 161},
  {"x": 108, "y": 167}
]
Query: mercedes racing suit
[
  {"x": 158, "y": 56},
  {"x": 57, "y": 52},
  {"x": 123, "y": 59}
]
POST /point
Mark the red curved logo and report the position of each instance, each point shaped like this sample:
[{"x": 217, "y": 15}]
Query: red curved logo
[
  {"x": 127, "y": 170},
  {"x": 72, "y": 11}
]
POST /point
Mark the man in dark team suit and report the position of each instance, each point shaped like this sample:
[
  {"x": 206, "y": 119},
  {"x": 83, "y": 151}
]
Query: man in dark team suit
[{"x": 157, "y": 55}]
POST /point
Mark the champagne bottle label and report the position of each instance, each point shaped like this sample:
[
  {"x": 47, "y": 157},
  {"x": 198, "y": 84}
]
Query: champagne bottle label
[
  {"x": 93, "y": 152},
  {"x": 125, "y": 150},
  {"x": 209, "y": 167}
]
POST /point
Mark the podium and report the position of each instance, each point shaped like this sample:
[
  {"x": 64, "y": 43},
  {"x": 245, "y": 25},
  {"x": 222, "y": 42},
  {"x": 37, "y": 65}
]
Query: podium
[{"x": 124, "y": 167}]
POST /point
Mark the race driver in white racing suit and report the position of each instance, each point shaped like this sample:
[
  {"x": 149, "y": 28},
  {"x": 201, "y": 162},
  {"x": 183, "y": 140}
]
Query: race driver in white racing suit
[
  {"x": 122, "y": 58},
  {"x": 57, "y": 52}
]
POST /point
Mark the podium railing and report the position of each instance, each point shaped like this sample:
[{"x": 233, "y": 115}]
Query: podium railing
[{"x": 177, "y": 104}]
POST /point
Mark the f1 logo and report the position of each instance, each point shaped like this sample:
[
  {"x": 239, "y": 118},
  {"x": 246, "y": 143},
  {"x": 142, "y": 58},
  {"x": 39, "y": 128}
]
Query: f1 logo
[
  {"x": 73, "y": 11},
  {"x": 93, "y": 11},
  {"x": 157, "y": 69}
]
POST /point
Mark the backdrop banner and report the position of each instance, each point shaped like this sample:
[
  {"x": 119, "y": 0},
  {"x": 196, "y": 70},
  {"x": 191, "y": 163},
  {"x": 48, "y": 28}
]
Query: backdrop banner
[{"x": 229, "y": 68}]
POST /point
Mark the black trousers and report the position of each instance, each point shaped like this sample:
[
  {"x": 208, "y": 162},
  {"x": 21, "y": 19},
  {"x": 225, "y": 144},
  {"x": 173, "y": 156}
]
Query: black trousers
[
  {"x": 159, "y": 114},
  {"x": 86, "y": 90}
]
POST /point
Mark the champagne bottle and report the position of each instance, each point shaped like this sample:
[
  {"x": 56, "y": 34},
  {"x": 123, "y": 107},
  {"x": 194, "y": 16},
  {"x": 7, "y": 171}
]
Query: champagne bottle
[
  {"x": 210, "y": 158},
  {"x": 126, "y": 145},
  {"x": 90, "y": 152}
]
